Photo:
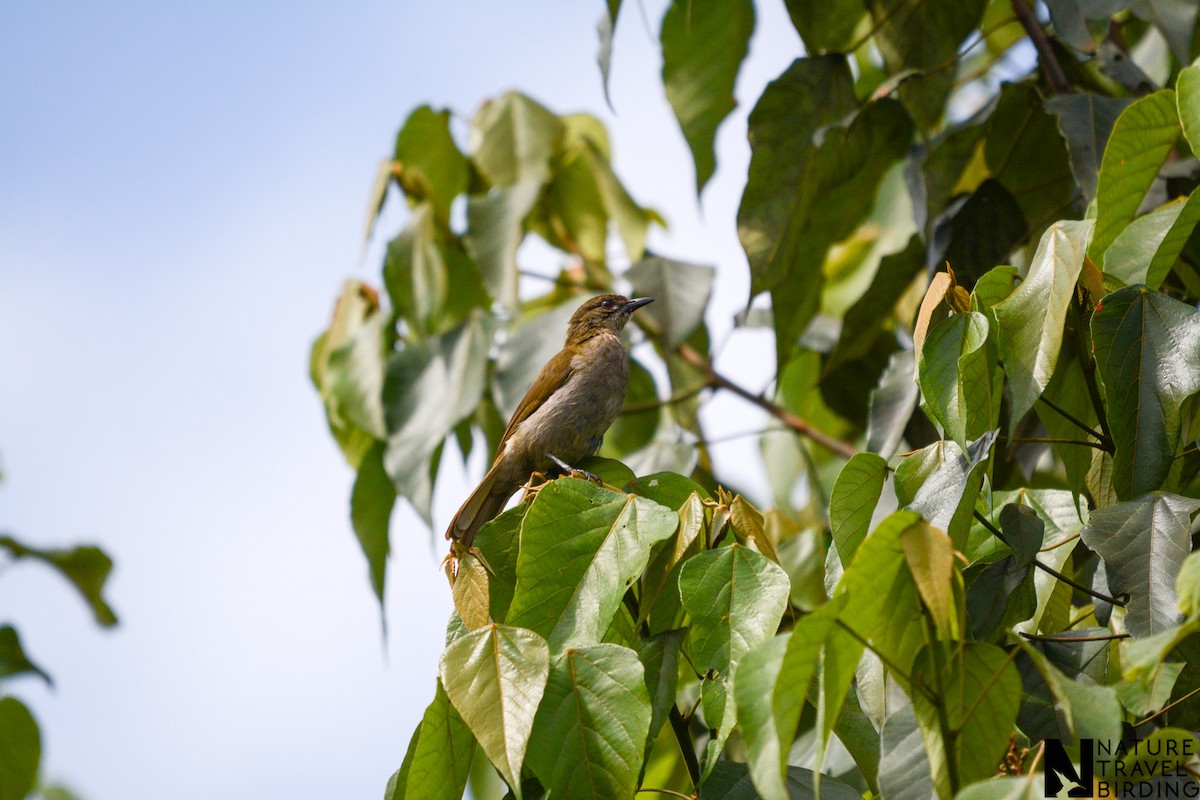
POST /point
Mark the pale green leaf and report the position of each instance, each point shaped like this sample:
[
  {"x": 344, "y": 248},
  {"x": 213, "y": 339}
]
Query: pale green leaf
[
  {"x": 892, "y": 403},
  {"x": 514, "y": 139},
  {"x": 903, "y": 766},
  {"x": 429, "y": 163},
  {"x": 1187, "y": 90},
  {"x": 496, "y": 224},
  {"x": 852, "y": 503},
  {"x": 680, "y": 291},
  {"x": 1128, "y": 258},
  {"x": 955, "y": 375}
]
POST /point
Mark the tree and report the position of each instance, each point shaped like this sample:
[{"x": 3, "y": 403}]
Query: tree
[{"x": 1011, "y": 363}]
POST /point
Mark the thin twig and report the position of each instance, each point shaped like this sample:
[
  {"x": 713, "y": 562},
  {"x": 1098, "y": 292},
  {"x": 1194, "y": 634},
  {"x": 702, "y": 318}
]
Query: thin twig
[
  {"x": 1166, "y": 708},
  {"x": 1055, "y": 77},
  {"x": 1045, "y": 440},
  {"x": 796, "y": 423},
  {"x": 1107, "y": 637},
  {"x": 677, "y": 397},
  {"x": 1083, "y": 426}
]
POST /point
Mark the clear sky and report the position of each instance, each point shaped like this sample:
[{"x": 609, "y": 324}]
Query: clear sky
[{"x": 182, "y": 191}]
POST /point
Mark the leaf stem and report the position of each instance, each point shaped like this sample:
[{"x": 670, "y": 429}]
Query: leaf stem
[
  {"x": 1048, "y": 569},
  {"x": 1083, "y": 426},
  {"x": 1055, "y": 77},
  {"x": 1107, "y": 637},
  {"x": 887, "y": 662},
  {"x": 684, "y": 739},
  {"x": 1047, "y": 440},
  {"x": 1088, "y": 362},
  {"x": 1166, "y": 708}
]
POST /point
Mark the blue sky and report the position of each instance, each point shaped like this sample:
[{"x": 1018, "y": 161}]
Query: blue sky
[{"x": 183, "y": 190}]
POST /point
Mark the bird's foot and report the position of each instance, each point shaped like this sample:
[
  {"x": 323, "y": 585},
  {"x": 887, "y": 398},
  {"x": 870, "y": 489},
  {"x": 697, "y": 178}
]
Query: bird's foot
[
  {"x": 535, "y": 484},
  {"x": 458, "y": 552},
  {"x": 573, "y": 471}
]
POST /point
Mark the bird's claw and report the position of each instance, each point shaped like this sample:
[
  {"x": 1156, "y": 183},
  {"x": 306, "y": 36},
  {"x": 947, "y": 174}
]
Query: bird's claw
[
  {"x": 459, "y": 551},
  {"x": 587, "y": 476},
  {"x": 531, "y": 488}
]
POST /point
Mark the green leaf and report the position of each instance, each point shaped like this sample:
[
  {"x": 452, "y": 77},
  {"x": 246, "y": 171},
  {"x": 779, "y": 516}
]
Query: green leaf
[
  {"x": 1003, "y": 593},
  {"x": 429, "y": 388},
  {"x": 720, "y": 715},
  {"x": 811, "y": 93},
  {"x": 1173, "y": 243},
  {"x": 703, "y": 44},
  {"x": 1141, "y": 140},
  {"x": 1143, "y": 543},
  {"x": 923, "y": 35},
  {"x": 430, "y": 164},
  {"x": 514, "y": 139},
  {"x": 955, "y": 375},
  {"x": 1128, "y": 258},
  {"x": 979, "y": 691},
  {"x": 660, "y": 662},
  {"x": 1068, "y": 390},
  {"x": 852, "y": 503},
  {"x": 883, "y": 606},
  {"x": 13, "y": 660},
  {"x": 736, "y": 599},
  {"x": 605, "y": 28},
  {"x": 903, "y": 766},
  {"x": 439, "y": 756},
  {"x": 825, "y": 27},
  {"x": 892, "y": 404},
  {"x": 930, "y": 559},
  {"x": 499, "y": 542},
  {"x": 1147, "y": 349},
  {"x": 1077, "y": 710},
  {"x": 1024, "y": 787},
  {"x": 978, "y": 231},
  {"x": 581, "y": 545},
  {"x": 1175, "y": 20},
  {"x": 680, "y": 291},
  {"x": 942, "y": 481},
  {"x": 730, "y": 780},
  {"x": 371, "y": 504},
  {"x": 1187, "y": 99},
  {"x": 1187, "y": 584},
  {"x": 20, "y": 749},
  {"x": 1086, "y": 120},
  {"x": 1031, "y": 319},
  {"x": 590, "y": 731},
  {"x": 496, "y": 224},
  {"x": 495, "y": 678},
  {"x": 469, "y": 589},
  {"x": 667, "y": 488},
  {"x": 770, "y": 687},
  {"x": 86, "y": 567},
  {"x": 660, "y": 580},
  {"x": 828, "y": 201}
]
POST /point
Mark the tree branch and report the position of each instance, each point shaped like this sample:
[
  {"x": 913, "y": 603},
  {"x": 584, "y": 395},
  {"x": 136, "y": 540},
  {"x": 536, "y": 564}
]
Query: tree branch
[{"x": 1055, "y": 77}]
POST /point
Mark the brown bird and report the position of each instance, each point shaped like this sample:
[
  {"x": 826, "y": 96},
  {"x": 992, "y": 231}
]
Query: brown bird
[{"x": 564, "y": 415}]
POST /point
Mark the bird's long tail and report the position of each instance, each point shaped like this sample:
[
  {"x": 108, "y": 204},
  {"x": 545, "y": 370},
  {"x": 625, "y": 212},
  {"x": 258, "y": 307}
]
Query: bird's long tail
[{"x": 484, "y": 504}]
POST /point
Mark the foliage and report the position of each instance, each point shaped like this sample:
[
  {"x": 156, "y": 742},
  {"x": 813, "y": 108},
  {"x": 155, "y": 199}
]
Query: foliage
[
  {"x": 987, "y": 347},
  {"x": 86, "y": 568}
]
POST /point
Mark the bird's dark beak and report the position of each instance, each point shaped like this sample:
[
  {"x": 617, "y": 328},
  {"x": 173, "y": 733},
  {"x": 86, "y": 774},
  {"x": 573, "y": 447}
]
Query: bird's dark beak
[{"x": 635, "y": 304}]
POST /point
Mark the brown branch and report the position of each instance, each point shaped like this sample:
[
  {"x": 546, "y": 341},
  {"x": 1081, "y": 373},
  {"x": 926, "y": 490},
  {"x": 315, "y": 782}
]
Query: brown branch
[
  {"x": 677, "y": 397},
  {"x": 794, "y": 422},
  {"x": 1055, "y": 77}
]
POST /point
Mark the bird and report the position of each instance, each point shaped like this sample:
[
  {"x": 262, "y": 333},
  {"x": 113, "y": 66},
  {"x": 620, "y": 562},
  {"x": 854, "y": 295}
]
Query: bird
[{"x": 563, "y": 416}]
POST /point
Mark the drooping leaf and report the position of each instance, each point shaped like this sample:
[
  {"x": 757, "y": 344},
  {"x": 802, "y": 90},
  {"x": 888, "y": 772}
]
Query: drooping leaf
[
  {"x": 1031, "y": 319},
  {"x": 1085, "y": 120},
  {"x": 977, "y": 231},
  {"x": 13, "y": 660},
  {"x": 661, "y": 605},
  {"x": 955, "y": 375},
  {"x": 852, "y": 503},
  {"x": 495, "y": 678},
  {"x": 825, "y": 27},
  {"x": 660, "y": 662},
  {"x": 680, "y": 290},
  {"x": 903, "y": 766},
  {"x": 85, "y": 567},
  {"x": 430, "y": 279},
  {"x": 1143, "y": 543},
  {"x": 1187, "y": 98},
  {"x": 514, "y": 139},
  {"x": 20, "y": 749},
  {"x": 923, "y": 35},
  {"x": 892, "y": 404},
  {"x": 930, "y": 559},
  {"x": 942, "y": 481},
  {"x": 429, "y": 165},
  {"x": 1128, "y": 258},
  {"x": 590, "y": 731},
  {"x": 1141, "y": 140},
  {"x": 703, "y": 43},
  {"x": 429, "y": 388},
  {"x": 605, "y": 29},
  {"x": 736, "y": 599},
  {"x": 499, "y": 542},
  {"x": 496, "y": 224},
  {"x": 1147, "y": 349},
  {"x": 371, "y": 503},
  {"x": 979, "y": 691},
  {"x": 581, "y": 545},
  {"x": 1072, "y": 709},
  {"x": 470, "y": 592},
  {"x": 439, "y": 756}
]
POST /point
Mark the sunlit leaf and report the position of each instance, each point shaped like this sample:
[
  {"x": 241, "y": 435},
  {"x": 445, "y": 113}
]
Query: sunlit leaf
[
  {"x": 439, "y": 756},
  {"x": 1147, "y": 349},
  {"x": 736, "y": 598},
  {"x": 495, "y": 678},
  {"x": 581, "y": 545},
  {"x": 429, "y": 164},
  {"x": 703, "y": 44},
  {"x": 513, "y": 139},
  {"x": 1188, "y": 101},
  {"x": 955, "y": 375},
  {"x": 590, "y": 730},
  {"x": 942, "y": 481},
  {"x": 930, "y": 559},
  {"x": 892, "y": 404},
  {"x": 680, "y": 290},
  {"x": 852, "y": 503},
  {"x": 495, "y": 227}
]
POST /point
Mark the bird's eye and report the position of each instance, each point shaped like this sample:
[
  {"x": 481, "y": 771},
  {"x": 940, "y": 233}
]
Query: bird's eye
[{"x": 606, "y": 304}]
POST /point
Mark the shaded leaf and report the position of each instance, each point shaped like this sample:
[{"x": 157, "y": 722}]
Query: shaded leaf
[
  {"x": 604, "y": 29},
  {"x": 730, "y": 780},
  {"x": 20, "y": 749},
  {"x": 495, "y": 228},
  {"x": 1143, "y": 543},
  {"x": 590, "y": 730},
  {"x": 439, "y": 756},
  {"x": 660, "y": 663},
  {"x": 371, "y": 503},
  {"x": 499, "y": 542},
  {"x": 892, "y": 404},
  {"x": 703, "y": 44},
  {"x": 977, "y": 231},
  {"x": 495, "y": 678},
  {"x": 736, "y": 599},
  {"x": 430, "y": 279},
  {"x": 1188, "y": 104},
  {"x": 660, "y": 580},
  {"x": 1147, "y": 349},
  {"x": 942, "y": 481},
  {"x": 581, "y": 545},
  {"x": 903, "y": 766},
  {"x": 1141, "y": 140},
  {"x": 1085, "y": 120},
  {"x": 680, "y": 291},
  {"x": 13, "y": 660}
]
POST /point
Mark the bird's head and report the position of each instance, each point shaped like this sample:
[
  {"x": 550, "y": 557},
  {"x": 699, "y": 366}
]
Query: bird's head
[{"x": 608, "y": 312}]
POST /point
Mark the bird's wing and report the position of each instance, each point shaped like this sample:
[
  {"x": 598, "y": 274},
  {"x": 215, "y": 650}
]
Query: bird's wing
[{"x": 556, "y": 373}]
